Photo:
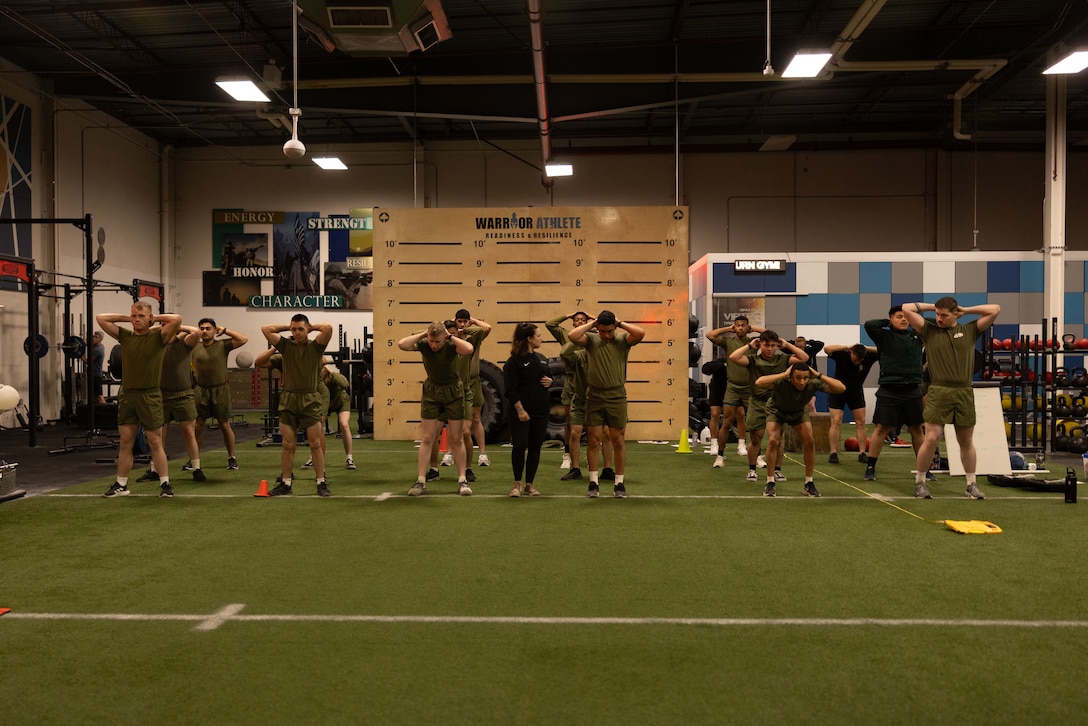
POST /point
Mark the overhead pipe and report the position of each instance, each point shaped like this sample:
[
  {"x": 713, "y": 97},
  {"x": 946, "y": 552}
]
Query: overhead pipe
[{"x": 536, "y": 36}]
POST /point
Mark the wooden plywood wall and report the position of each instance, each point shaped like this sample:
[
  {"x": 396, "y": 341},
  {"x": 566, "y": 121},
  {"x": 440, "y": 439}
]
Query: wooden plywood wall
[{"x": 508, "y": 265}]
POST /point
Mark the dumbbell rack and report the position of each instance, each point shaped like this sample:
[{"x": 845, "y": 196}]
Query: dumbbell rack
[{"x": 1025, "y": 371}]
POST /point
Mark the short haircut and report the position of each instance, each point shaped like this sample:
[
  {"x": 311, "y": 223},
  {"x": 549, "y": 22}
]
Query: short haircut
[
  {"x": 947, "y": 303},
  {"x": 209, "y": 321},
  {"x": 436, "y": 329},
  {"x": 583, "y": 313},
  {"x": 858, "y": 350},
  {"x": 768, "y": 336},
  {"x": 741, "y": 317},
  {"x": 142, "y": 305},
  {"x": 462, "y": 314},
  {"x": 607, "y": 317},
  {"x": 300, "y": 318},
  {"x": 799, "y": 367},
  {"x": 450, "y": 324},
  {"x": 894, "y": 309}
]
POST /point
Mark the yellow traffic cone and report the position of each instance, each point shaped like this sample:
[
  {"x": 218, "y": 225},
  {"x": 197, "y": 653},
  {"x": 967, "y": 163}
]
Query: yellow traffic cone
[{"x": 685, "y": 445}]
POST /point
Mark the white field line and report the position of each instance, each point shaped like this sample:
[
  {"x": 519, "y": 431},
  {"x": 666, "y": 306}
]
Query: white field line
[
  {"x": 233, "y": 614},
  {"x": 604, "y": 495}
]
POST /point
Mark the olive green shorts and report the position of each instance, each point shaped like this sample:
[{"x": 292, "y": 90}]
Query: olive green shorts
[
  {"x": 946, "y": 405},
  {"x": 140, "y": 406},
  {"x": 179, "y": 405},
  {"x": 756, "y": 418},
  {"x": 301, "y": 410},
  {"x": 342, "y": 402},
  {"x": 443, "y": 403},
  {"x": 786, "y": 419},
  {"x": 475, "y": 397},
  {"x": 736, "y": 394},
  {"x": 213, "y": 402},
  {"x": 578, "y": 411},
  {"x": 607, "y": 407},
  {"x": 568, "y": 391}
]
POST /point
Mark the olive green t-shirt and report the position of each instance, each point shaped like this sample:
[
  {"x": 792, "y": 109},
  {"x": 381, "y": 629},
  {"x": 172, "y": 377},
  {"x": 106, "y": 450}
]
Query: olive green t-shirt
[
  {"x": 141, "y": 358},
  {"x": 789, "y": 401},
  {"x": 760, "y": 366},
  {"x": 468, "y": 366},
  {"x": 950, "y": 353},
  {"x": 607, "y": 360},
  {"x": 441, "y": 365},
  {"x": 210, "y": 362},
  {"x": 301, "y": 364},
  {"x": 177, "y": 374}
]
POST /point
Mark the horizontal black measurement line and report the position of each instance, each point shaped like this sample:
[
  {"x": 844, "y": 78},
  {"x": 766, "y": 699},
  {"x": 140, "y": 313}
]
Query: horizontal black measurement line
[
  {"x": 629, "y": 282},
  {"x": 646, "y": 401},
  {"x": 633, "y": 380},
  {"x": 627, "y": 242}
]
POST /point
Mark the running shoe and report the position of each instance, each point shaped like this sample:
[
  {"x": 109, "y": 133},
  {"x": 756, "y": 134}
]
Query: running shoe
[
  {"x": 323, "y": 489},
  {"x": 280, "y": 490},
  {"x": 116, "y": 490},
  {"x": 974, "y": 492},
  {"x": 433, "y": 475},
  {"x": 921, "y": 491},
  {"x": 232, "y": 464},
  {"x": 418, "y": 489},
  {"x": 594, "y": 490},
  {"x": 768, "y": 491},
  {"x": 719, "y": 462},
  {"x": 810, "y": 490},
  {"x": 198, "y": 475},
  {"x": 165, "y": 490},
  {"x": 464, "y": 489},
  {"x": 833, "y": 457},
  {"x": 349, "y": 463},
  {"x": 619, "y": 491},
  {"x": 483, "y": 460},
  {"x": 574, "y": 473}
]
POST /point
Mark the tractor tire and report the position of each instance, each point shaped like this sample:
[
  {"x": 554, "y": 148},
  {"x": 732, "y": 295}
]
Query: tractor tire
[{"x": 492, "y": 414}]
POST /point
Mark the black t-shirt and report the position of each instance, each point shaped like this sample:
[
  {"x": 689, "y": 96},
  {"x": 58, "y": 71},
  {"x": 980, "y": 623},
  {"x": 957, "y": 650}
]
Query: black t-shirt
[{"x": 852, "y": 376}]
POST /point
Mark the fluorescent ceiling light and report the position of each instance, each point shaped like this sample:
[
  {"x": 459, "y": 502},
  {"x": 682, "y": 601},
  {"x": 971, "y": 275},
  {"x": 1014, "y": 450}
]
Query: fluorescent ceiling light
[
  {"x": 807, "y": 64},
  {"x": 778, "y": 142},
  {"x": 242, "y": 89},
  {"x": 330, "y": 163},
  {"x": 559, "y": 169},
  {"x": 1075, "y": 62}
]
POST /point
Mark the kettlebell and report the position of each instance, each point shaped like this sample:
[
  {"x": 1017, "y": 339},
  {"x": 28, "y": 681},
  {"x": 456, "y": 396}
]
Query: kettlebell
[
  {"x": 1061, "y": 377},
  {"x": 1063, "y": 406},
  {"x": 1078, "y": 378},
  {"x": 1079, "y": 409},
  {"x": 1078, "y": 443},
  {"x": 1061, "y": 438},
  {"x": 1069, "y": 341}
]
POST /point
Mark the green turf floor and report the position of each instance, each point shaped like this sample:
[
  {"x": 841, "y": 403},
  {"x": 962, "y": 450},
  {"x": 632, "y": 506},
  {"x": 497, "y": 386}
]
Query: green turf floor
[{"x": 695, "y": 600}]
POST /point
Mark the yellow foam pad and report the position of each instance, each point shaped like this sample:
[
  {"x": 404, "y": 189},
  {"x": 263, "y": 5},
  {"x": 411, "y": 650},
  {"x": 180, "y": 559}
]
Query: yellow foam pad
[{"x": 972, "y": 526}]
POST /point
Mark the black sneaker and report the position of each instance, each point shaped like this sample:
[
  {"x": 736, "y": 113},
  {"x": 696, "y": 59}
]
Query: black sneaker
[
  {"x": 833, "y": 457},
  {"x": 280, "y": 489},
  {"x": 574, "y": 473},
  {"x": 863, "y": 458},
  {"x": 768, "y": 491},
  {"x": 323, "y": 489},
  {"x": 418, "y": 489},
  {"x": 198, "y": 475},
  {"x": 870, "y": 475},
  {"x": 116, "y": 490},
  {"x": 469, "y": 476},
  {"x": 607, "y": 474},
  {"x": 187, "y": 466},
  {"x": 619, "y": 491},
  {"x": 433, "y": 475},
  {"x": 232, "y": 464},
  {"x": 148, "y": 476},
  {"x": 594, "y": 490},
  {"x": 165, "y": 490},
  {"x": 810, "y": 490}
]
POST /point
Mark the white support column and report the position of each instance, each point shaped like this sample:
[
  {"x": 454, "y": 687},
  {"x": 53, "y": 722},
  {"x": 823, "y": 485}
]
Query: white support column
[{"x": 1055, "y": 202}]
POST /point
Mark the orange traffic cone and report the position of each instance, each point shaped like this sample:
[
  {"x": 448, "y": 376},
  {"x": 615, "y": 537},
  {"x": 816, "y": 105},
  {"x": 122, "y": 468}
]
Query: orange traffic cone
[
  {"x": 262, "y": 490},
  {"x": 443, "y": 447}
]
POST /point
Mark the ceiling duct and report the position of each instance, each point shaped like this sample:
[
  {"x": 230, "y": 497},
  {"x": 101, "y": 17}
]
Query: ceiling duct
[
  {"x": 360, "y": 15},
  {"x": 376, "y": 27}
]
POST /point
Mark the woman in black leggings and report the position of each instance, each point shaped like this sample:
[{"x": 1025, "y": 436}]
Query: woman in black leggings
[{"x": 527, "y": 404}]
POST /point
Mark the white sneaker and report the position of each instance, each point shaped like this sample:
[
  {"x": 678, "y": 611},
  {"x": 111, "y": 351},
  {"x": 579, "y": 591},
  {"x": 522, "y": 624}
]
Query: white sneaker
[
  {"x": 349, "y": 463},
  {"x": 719, "y": 462},
  {"x": 566, "y": 462},
  {"x": 483, "y": 460},
  {"x": 447, "y": 459},
  {"x": 742, "y": 449},
  {"x": 761, "y": 463},
  {"x": 713, "y": 450}
]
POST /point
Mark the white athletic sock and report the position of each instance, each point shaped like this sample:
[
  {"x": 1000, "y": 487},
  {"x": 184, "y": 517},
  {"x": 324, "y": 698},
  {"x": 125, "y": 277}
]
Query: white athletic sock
[
  {"x": 619, "y": 479},
  {"x": 593, "y": 477},
  {"x": 122, "y": 480},
  {"x": 196, "y": 463}
]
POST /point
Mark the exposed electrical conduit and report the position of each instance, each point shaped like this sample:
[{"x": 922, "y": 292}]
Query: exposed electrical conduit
[{"x": 536, "y": 35}]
